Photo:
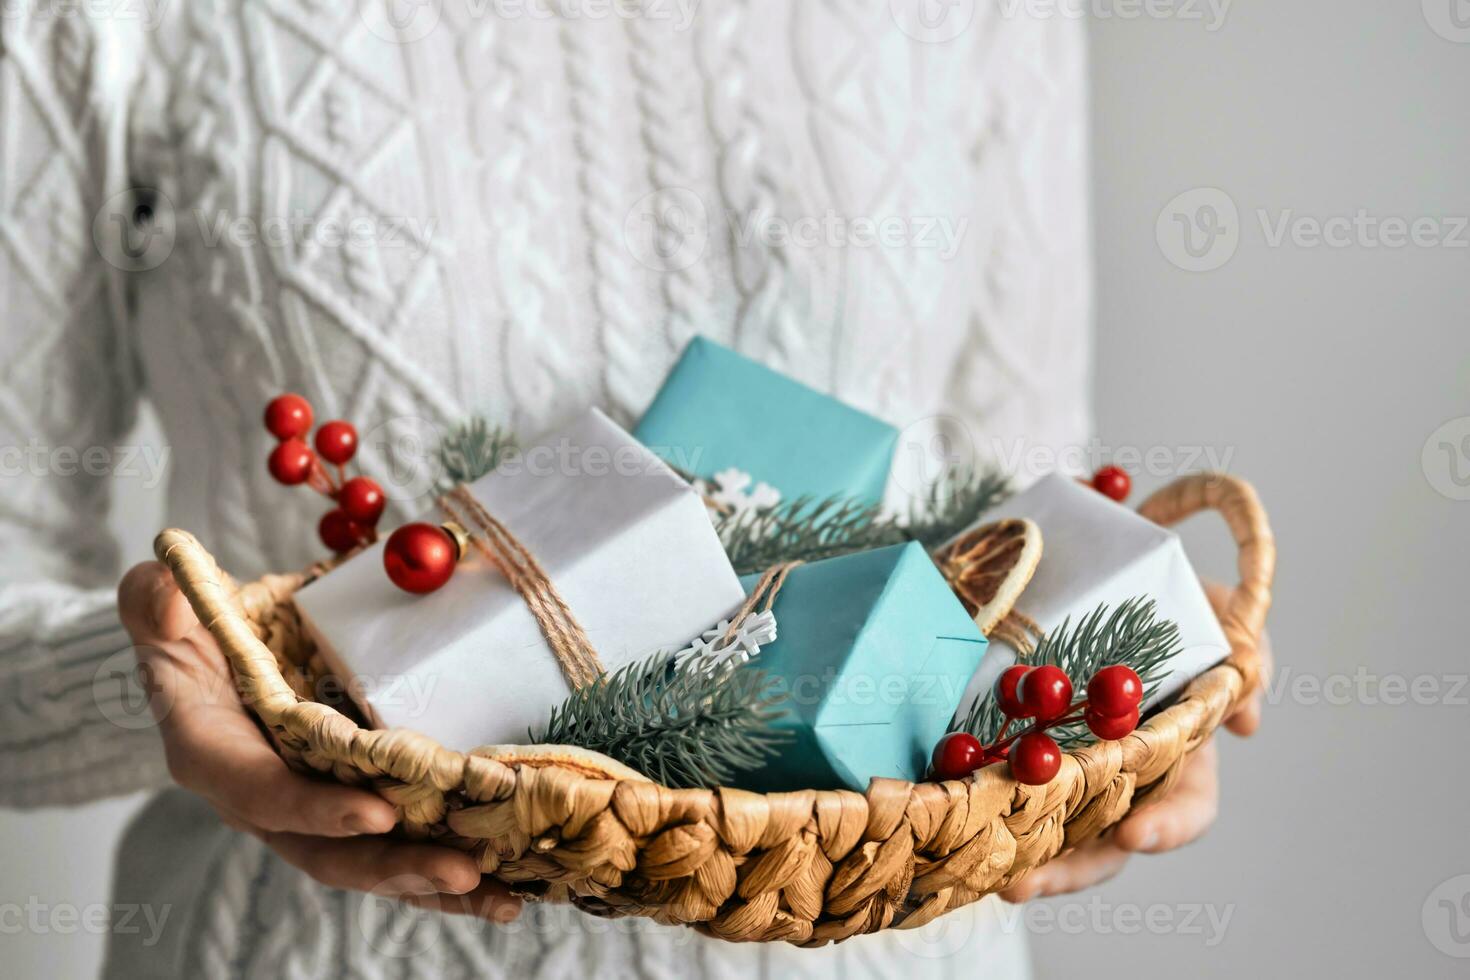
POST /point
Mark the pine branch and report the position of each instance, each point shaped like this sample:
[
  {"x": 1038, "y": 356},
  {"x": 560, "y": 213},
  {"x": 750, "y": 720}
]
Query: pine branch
[
  {"x": 471, "y": 450},
  {"x": 955, "y": 503},
  {"x": 810, "y": 530},
  {"x": 692, "y": 724},
  {"x": 1132, "y": 634}
]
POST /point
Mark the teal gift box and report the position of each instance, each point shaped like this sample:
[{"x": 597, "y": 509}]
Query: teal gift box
[
  {"x": 719, "y": 410},
  {"x": 872, "y": 656}
]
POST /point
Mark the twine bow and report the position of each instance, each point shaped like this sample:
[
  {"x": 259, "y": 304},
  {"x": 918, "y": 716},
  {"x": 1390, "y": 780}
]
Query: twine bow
[{"x": 568, "y": 640}]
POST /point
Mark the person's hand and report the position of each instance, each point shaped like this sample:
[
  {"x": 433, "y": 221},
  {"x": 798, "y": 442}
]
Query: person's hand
[
  {"x": 216, "y": 750},
  {"x": 1177, "y": 819}
]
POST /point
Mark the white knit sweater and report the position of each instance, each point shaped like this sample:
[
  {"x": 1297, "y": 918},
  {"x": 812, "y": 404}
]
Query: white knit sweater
[{"x": 517, "y": 208}]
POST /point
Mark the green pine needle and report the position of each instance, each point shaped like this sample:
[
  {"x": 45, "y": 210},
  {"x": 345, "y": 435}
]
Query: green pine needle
[
  {"x": 810, "y": 530},
  {"x": 1132, "y": 634},
  {"x": 471, "y": 450},
  {"x": 696, "y": 724}
]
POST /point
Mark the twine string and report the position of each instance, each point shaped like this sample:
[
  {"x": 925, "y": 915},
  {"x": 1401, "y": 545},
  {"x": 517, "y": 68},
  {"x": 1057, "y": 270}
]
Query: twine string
[
  {"x": 1020, "y": 631},
  {"x": 762, "y": 597},
  {"x": 568, "y": 640}
]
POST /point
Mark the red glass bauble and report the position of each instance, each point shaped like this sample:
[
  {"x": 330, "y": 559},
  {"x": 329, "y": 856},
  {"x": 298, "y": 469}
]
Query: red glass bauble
[{"x": 419, "y": 558}]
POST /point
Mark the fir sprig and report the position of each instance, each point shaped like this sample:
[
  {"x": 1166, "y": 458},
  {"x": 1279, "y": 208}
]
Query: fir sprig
[
  {"x": 1133, "y": 634},
  {"x": 690, "y": 724},
  {"x": 472, "y": 449},
  {"x": 811, "y": 530}
]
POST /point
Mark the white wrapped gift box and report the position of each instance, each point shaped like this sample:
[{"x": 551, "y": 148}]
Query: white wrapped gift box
[
  {"x": 626, "y": 542},
  {"x": 1097, "y": 551}
]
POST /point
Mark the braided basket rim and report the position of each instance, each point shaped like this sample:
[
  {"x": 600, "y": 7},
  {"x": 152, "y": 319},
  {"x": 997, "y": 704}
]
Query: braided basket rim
[{"x": 808, "y": 867}]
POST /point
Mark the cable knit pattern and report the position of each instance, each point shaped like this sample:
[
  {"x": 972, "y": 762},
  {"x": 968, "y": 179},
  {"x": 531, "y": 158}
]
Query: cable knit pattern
[{"x": 408, "y": 212}]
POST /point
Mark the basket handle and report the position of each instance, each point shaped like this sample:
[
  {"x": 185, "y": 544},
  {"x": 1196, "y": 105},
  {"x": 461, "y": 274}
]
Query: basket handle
[{"x": 1244, "y": 614}]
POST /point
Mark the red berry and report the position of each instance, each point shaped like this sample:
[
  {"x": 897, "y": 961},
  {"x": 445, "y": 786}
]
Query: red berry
[
  {"x": 1035, "y": 759},
  {"x": 1114, "y": 482},
  {"x": 1111, "y": 727},
  {"x": 290, "y": 462},
  {"x": 419, "y": 558},
  {"x": 288, "y": 416},
  {"x": 336, "y": 441},
  {"x": 956, "y": 755},
  {"x": 363, "y": 500},
  {"x": 1115, "y": 691},
  {"x": 340, "y": 532},
  {"x": 1005, "y": 692},
  {"x": 1046, "y": 691}
]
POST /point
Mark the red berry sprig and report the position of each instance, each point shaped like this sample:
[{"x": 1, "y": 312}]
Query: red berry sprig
[
  {"x": 360, "y": 501},
  {"x": 1044, "y": 695}
]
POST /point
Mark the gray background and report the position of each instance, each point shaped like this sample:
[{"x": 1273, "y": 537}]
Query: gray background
[{"x": 1323, "y": 371}]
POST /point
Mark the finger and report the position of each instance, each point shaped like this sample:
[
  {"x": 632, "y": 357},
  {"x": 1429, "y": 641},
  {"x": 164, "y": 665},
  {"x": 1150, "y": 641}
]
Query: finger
[
  {"x": 220, "y": 754},
  {"x": 1247, "y": 718},
  {"x": 1182, "y": 816},
  {"x": 152, "y": 608},
  {"x": 379, "y": 865},
  {"x": 490, "y": 901},
  {"x": 1091, "y": 864}
]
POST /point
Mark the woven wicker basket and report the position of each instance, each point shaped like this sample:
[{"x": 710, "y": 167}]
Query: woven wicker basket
[{"x": 808, "y": 868}]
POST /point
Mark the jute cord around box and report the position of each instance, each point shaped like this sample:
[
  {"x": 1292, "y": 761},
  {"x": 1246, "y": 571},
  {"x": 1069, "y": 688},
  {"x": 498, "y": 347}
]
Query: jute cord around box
[
  {"x": 568, "y": 640},
  {"x": 762, "y": 597}
]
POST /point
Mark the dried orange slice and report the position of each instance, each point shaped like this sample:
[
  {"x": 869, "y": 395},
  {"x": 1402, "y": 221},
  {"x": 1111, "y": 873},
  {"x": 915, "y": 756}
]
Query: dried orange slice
[{"x": 990, "y": 566}]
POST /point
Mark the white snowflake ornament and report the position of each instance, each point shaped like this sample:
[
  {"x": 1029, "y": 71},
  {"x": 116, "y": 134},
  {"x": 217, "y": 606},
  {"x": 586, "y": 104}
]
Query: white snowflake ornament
[
  {"x": 730, "y": 493},
  {"x": 757, "y": 630}
]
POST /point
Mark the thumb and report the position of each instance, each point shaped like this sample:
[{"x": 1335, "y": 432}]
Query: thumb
[{"x": 151, "y": 606}]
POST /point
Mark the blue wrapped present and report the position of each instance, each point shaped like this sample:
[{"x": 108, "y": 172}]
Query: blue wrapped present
[
  {"x": 719, "y": 410},
  {"x": 872, "y": 658}
]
